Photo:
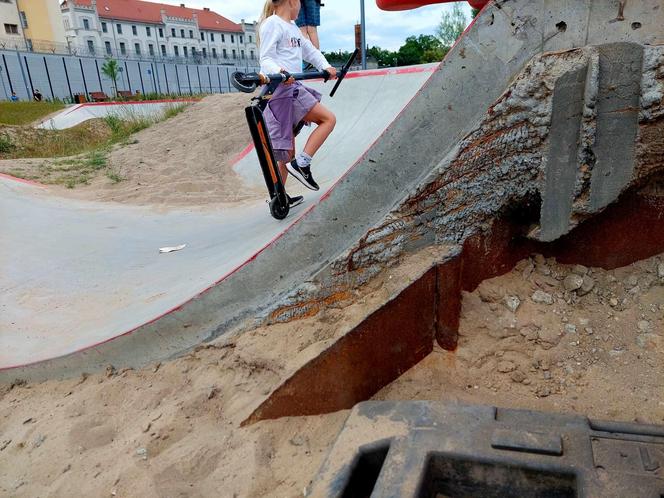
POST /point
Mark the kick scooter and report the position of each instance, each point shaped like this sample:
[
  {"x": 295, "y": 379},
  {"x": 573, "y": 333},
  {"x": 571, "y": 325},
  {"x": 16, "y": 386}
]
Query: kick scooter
[{"x": 247, "y": 83}]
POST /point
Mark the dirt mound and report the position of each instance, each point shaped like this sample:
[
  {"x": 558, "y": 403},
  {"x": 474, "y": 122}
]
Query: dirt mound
[
  {"x": 536, "y": 338},
  {"x": 555, "y": 337},
  {"x": 183, "y": 161}
]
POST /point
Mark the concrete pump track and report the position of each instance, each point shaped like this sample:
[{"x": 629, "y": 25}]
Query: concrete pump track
[{"x": 84, "y": 287}]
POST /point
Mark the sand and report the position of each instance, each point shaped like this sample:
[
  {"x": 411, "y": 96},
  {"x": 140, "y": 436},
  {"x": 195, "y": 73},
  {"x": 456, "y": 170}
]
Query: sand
[
  {"x": 173, "y": 429},
  {"x": 184, "y": 161}
]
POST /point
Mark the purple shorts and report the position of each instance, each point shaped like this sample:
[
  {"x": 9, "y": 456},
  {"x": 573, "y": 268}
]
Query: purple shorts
[{"x": 287, "y": 107}]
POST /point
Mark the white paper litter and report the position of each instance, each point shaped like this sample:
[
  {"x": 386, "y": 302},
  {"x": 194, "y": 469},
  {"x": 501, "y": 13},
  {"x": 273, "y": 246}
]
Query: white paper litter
[{"x": 172, "y": 249}]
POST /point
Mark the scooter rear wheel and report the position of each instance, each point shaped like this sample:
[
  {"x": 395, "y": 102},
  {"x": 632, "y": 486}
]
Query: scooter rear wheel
[{"x": 278, "y": 210}]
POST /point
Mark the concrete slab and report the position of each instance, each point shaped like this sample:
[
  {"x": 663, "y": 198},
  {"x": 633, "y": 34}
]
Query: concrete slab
[
  {"x": 77, "y": 274},
  {"x": 79, "y": 113}
]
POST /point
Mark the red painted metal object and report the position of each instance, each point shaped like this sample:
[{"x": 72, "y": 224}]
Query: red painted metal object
[{"x": 413, "y": 4}]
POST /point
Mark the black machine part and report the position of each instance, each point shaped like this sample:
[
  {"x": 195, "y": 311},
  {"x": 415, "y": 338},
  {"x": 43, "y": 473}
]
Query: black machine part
[{"x": 427, "y": 449}]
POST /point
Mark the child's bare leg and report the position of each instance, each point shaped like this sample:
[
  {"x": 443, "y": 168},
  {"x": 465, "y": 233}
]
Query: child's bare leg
[
  {"x": 283, "y": 172},
  {"x": 312, "y": 33},
  {"x": 326, "y": 121},
  {"x": 305, "y": 31}
]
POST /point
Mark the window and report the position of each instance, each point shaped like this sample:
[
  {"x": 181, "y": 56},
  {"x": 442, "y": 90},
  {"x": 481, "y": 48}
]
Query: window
[
  {"x": 241, "y": 39},
  {"x": 134, "y": 31},
  {"x": 211, "y": 36},
  {"x": 86, "y": 24},
  {"x": 104, "y": 27},
  {"x": 182, "y": 33},
  {"x": 204, "y": 52},
  {"x": 151, "y": 49},
  {"x": 24, "y": 20},
  {"x": 242, "y": 54},
  {"x": 161, "y": 32},
  {"x": 66, "y": 23},
  {"x": 91, "y": 46},
  {"x": 123, "y": 49},
  {"x": 137, "y": 48},
  {"x": 119, "y": 28},
  {"x": 234, "y": 55},
  {"x": 250, "y": 41},
  {"x": 147, "y": 31},
  {"x": 163, "y": 50},
  {"x": 223, "y": 38},
  {"x": 225, "y": 54},
  {"x": 184, "y": 51},
  {"x": 252, "y": 54},
  {"x": 11, "y": 29},
  {"x": 202, "y": 36},
  {"x": 108, "y": 47},
  {"x": 191, "y": 34},
  {"x": 214, "y": 52},
  {"x": 173, "y": 32},
  {"x": 176, "y": 51},
  {"x": 232, "y": 39}
]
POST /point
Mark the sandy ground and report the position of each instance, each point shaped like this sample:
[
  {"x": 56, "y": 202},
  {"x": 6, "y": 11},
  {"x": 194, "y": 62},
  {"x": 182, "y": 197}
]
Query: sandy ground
[
  {"x": 599, "y": 354},
  {"x": 173, "y": 429},
  {"x": 183, "y": 161}
]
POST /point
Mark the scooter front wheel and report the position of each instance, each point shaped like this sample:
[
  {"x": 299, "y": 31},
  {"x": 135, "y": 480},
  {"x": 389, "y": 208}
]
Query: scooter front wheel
[{"x": 278, "y": 210}]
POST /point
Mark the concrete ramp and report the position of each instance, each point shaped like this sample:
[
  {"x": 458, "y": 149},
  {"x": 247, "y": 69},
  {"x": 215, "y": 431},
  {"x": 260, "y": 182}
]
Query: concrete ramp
[
  {"x": 395, "y": 159},
  {"x": 77, "y": 275},
  {"x": 77, "y": 114}
]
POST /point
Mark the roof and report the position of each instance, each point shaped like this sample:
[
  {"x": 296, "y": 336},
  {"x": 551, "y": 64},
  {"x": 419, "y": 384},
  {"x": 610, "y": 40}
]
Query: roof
[{"x": 150, "y": 12}]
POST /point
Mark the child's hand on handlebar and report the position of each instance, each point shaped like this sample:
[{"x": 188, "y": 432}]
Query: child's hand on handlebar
[{"x": 290, "y": 79}]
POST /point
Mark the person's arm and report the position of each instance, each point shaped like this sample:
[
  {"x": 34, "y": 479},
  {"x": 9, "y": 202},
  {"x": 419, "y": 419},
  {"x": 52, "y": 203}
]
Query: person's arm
[
  {"x": 270, "y": 34},
  {"x": 311, "y": 54}
]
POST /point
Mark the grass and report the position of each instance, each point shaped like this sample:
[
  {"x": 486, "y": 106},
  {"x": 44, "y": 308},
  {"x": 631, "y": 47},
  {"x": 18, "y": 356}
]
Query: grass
[
  {"x": 6, "y": 144},
  {"x": 22, "y": 113},
  {"x": 78, "y": 154}
]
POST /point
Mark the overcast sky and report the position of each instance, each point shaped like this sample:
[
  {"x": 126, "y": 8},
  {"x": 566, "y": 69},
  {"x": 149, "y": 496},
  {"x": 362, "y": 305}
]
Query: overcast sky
[{"x": 387, "y": 30}]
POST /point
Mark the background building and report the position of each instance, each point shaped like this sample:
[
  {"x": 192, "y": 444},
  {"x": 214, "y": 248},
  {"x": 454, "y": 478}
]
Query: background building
[
  {"x": 42, "y": 24},
  {"x": 137, "y": 29},
  {"x": 11, "y": 33}
]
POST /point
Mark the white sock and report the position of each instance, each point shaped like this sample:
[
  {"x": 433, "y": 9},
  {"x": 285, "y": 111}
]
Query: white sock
[{"x": 303, "y": 159}]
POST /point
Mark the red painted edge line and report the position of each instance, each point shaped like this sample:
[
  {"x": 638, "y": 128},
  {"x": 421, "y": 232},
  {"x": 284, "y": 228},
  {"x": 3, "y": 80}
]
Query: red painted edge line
[
  {"x": 242, "y": 154},
  {"x": 251, "y": 258},
  {"x": 22, "y": 180}
]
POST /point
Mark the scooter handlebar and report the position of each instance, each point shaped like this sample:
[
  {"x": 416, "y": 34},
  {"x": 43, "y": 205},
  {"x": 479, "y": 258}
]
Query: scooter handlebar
[{"x": 247, "y": 82}]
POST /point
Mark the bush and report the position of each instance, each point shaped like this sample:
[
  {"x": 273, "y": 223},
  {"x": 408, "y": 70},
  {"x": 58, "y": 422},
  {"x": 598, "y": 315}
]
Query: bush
[{"x": 6, "y": 144}]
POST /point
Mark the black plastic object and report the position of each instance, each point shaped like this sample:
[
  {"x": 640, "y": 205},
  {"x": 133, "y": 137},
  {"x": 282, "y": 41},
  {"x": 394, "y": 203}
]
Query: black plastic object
[
  {"x": 344, "y": 70},
  {"x": 425, "y": 449}
]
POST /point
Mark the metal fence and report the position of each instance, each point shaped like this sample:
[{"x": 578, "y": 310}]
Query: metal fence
[
  {"x": 64, "y": 76},
  {"x": 222, "y": 57}
]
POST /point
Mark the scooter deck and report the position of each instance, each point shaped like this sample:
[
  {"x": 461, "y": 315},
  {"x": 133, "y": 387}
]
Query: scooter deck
[{"x": 278, "y": 199}]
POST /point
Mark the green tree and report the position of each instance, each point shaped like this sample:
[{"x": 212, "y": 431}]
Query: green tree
[
  {"x": 419, "y": 49},
  {"x": 451, "y": 25},
  {"x": 383, "y": 57},
  {"x": 473, "y": 13},
  {"x": 112, "y": 70}
]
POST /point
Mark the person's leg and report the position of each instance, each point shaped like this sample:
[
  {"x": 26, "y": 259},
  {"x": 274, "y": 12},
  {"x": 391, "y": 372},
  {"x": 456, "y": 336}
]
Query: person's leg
[
  {"x": 305, "y": 32},
  {"x": 325, "y": 121},
  {"x": 283, "y": 171},
  {"x": 312, "y": 34}
]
